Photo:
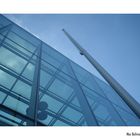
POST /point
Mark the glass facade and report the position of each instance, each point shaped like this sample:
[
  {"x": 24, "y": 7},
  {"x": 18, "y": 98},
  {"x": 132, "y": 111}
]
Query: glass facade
[{"x": 40, "y": 86}]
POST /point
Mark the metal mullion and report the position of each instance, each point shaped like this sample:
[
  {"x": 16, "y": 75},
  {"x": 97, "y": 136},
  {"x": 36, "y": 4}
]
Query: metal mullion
[{"x": 33, "y": 105}]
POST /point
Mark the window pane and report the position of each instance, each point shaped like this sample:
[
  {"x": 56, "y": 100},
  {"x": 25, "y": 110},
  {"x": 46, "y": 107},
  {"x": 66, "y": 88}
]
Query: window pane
[
  {"x": 17, "y": 47},
  {"x": 61, "y": 89},
  {"x": 16, "y": 105},
  {"x": 53, "y": 104},
  {"x": 10, "y": 119},
  {"x": 102, "y": 108},
  {"x": 29, "y": 71},
  {"x": 22, "y": 89},
  {"x": 2, "y": 96},
  {"x": 75, "y": 102},
  {"x": 11, "y": 60},
  {"x": 6, "y": 79},
  {"x": 52, "y": 56},
  {"x": 86, "y": 78},
  {"x": 112, "y": 95},
  {"x": 60, "y": 123},
  {"x": 128, "y": 118},
  {"x": 21, "y": 42},
  {"x": 25, "y": 35},
  {"x": 72, "y": 114},
  {"x": 44, "y": 78}
]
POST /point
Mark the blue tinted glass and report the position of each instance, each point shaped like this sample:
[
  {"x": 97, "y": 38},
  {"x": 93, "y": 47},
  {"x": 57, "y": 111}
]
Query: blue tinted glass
[
  {"x": 53, "y": 104},
  {"x": 72, "y": 114},
  {"x": 102, "y": 108},
  {"x": 29, "y": 71},
  {"x": 60, "y": 123},
  {"x": 48, "y": 68},
  {"x": 16, "y": 47},
  {"x": 11, "y": 60},
  {"x": 16, "y": 105},
  {"x": 6, "y": 79},
  {"x": 52, "y": 57},
  {"x": 86, "y": 78},
  {"x": 21, "y": 42},
  {"x": 130, "y": 119},
  {"x": 9, "y": 119},
  {"x": 22, "y": 89},
  {"x": 2, "y": 96},
  {"x": 4, "y": 21},
  {"x": 75, "y": 102},
  {"x": 112, "y": 95},
  {"x": 25, "y": 35},
  {"x": 47, "y": 120},
  {"x": 44, "y": 78},
  {"x": 61, "y": 89}
]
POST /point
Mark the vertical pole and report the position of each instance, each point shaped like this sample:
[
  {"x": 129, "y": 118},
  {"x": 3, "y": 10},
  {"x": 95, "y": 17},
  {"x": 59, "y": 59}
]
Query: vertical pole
[
  {"x": 127, "y": 98},
  {"x": 33, "y": 106}
]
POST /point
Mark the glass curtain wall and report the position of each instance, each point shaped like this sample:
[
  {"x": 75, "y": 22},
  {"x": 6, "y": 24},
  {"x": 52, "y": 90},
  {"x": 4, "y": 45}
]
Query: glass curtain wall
[{"x": 40, "y": 86}]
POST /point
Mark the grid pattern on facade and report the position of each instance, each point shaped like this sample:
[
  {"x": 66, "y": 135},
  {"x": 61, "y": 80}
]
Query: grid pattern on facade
[{"x": 40, "y": 86}]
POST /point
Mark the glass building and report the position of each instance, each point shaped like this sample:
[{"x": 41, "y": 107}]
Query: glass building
[{"x": 41, "y": 87}]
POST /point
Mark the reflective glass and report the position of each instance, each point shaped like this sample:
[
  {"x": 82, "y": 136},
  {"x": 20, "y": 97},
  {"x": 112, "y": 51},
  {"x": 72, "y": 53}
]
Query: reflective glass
[
  {"x": 26, "y": 35},
  {"x": 11, "y": 60},
  {"x": 112, "y": 95},
  {"x": 21, "y": 42},
  {"x": 6, "y": 79},
  {"x": 60, "y": 123},
  {"x": 16, "y": 47},
  {"x": 4, "y": 21},
  {"x": 9, "y": 119},
  {"x": 75, "y": 102},
  {"x": 52, "y": 57},
  {"x": 29, "y": 71},
  {"x": 130, "y": 119},
  {"x": 86, "y": 78},
  {"x": 72, "y": 114},
  {"x": 44, "y": 78},
  {"x": 52, "y": 103},
  {"x": 61, "y": 89},
  {"x": 2, "y": 96},
  {"x": 102, "y": 108},
  {"x": 16, "y": 105},
  {"x": 22, "y": 89}
]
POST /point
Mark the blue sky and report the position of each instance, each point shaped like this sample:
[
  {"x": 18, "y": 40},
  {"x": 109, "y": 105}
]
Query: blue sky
[{"x": 113, "y": 40}]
